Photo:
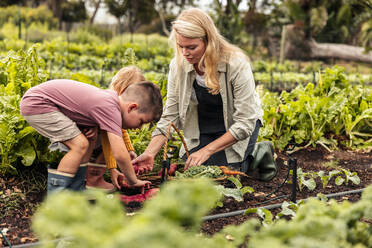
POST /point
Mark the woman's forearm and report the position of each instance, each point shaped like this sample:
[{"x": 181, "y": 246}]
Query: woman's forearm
[
  {"x": 155, "y": 145},
  {"x": 221, "y": 143}
]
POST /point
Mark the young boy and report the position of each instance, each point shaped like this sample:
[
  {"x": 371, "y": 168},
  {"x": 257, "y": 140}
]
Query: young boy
[
  {"x": 57, "y": 108},
  {"x": 95, "y": 171}
]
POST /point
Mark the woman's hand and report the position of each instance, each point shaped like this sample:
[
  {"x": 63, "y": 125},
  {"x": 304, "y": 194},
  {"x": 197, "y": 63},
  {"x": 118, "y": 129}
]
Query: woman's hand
[
  {"x": 116, "y": 177},
  {"x": 197, "y": 158},
  {"x": 144, "y": 163}
]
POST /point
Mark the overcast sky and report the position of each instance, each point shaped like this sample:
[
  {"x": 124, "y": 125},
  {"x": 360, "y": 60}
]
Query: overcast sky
[{"x": 103, "y": 17}]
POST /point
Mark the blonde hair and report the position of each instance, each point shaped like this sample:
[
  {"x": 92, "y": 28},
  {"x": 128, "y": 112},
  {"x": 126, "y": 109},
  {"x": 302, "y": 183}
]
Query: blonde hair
[
  {"x": 194, "y": 23},
  {"x": 124, "y": 77}
]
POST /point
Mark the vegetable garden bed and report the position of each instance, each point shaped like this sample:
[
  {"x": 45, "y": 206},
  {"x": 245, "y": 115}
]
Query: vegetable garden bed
[{"x": 20, "y": 196}]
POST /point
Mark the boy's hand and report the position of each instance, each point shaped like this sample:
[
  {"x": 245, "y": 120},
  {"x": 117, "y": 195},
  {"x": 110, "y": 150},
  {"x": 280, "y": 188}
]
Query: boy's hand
[
  {"x": 144, "y": 163},
  {"x": 141, "y": 184},
  {"x": 90, "y": 133},
  {"x": 132, "y": 155},
  {"x": 116, "y": 177}
]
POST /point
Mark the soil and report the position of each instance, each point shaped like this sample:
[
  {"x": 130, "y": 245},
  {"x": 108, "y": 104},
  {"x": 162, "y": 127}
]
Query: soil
[{"x": 20, "y": 195}]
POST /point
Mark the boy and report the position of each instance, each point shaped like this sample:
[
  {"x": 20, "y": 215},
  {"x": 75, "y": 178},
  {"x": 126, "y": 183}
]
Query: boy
[
  {"x": 95, "y": 171},
  {"x": 56, "y": 108}
]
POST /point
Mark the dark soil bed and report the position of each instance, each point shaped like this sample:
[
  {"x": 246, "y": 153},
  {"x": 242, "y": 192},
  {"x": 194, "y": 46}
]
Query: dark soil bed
[{"x": 20, "y": 195}]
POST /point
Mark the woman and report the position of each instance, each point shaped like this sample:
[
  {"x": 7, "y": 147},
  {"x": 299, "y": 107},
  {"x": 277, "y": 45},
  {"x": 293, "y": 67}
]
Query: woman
[{"x": 211, "y": 96}]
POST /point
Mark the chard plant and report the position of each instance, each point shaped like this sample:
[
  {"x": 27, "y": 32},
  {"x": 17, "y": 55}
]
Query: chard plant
[
  {"x": 307, "y": 113},
  {"x": 265, "y": 215},
  {"x": 326, "y": 178},
  {"x": 306, "y": 179},
  {"x": 237, "y": 193},
  {"x": 19, "y": 143},
  {"x": 349, "y": 176},
  {"x": 289, "y": 209}
]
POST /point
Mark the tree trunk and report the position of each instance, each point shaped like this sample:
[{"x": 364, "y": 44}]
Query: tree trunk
[
  {"x": 162, "y": 20},
  {"x": 339, "y": 51},
  {"x": 55, "y": 6},
  {"x": 298, "y": 47},
  {"x": 96, "y": 7}
]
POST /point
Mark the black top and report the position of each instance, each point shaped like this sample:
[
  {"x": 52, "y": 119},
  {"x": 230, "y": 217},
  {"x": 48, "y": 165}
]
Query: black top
[{"x": 210, "y": 111}]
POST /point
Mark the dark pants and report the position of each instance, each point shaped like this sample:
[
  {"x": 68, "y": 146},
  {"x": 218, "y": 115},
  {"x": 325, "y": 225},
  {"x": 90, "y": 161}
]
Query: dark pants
[{"x": 219, "y": 158}]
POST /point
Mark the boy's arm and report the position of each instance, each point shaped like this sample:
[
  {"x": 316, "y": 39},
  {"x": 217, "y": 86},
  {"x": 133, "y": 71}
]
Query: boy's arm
[{"x": 121, "y": 155}]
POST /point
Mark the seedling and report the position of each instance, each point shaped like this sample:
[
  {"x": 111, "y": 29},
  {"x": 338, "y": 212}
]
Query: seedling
[
  {"x": 265, "y": 215},
  {"x": 236, "y": 193}
]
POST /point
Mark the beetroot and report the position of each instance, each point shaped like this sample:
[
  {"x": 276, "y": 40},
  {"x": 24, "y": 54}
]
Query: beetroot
[
  {"x": 138, "y": 198},
  {"x": 171, "y": 171},
  {"x": 127, "y": 199},
  {"x": 150, "y": 193}
]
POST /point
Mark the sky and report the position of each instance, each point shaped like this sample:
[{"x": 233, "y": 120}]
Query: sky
[{"x": 103, "y": 17}]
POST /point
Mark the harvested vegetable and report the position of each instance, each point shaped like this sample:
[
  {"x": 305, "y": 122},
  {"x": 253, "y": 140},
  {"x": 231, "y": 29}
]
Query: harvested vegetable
[
  {"x": 171, "y": 171},
  {"x": 230, "y": 172},
  {"x": 201, "y": 171},
  {"x": 138, "y": 198}
]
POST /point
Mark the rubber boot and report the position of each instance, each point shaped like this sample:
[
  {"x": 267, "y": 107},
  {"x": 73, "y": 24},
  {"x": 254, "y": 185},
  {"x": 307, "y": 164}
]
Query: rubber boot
[
  {"x": 95, "y": 177},
  {"x": 262, "y": 157},
  {"x": 58, "y": 181},
  {"x": 78, "y": 183}
]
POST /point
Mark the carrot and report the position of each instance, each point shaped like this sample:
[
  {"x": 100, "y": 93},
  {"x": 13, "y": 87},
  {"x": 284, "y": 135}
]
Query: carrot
[{"x": 228, "y": 171}]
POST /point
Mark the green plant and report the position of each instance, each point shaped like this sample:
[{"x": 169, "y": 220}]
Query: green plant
[
  {"x": 237, "y": 193},
  {"x": 265, "y": 215},
  {"x": 349, "y": 176},
  {"x": 200, "y": 171},
  {"x": 326, "y": 178},
  {"x": 289, "y": 209},
  {"x": 19, "y": 143},
  {"x": 173, "y": 217},
  {"x": 306, "y": 179},
  {"x": 316, "y": 115}
]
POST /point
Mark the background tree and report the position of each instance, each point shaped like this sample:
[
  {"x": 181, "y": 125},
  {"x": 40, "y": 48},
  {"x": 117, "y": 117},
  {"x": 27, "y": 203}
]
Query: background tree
[
  {"x": 117, "y": 8},
  {"x": 56, "y": 7},
  {"x": 256, "y": 20},
  {"x": 73, "y": 11},
  {"x": 136, "y": 12},
  {"x": 96, "y": 4},
  {"x": 229, "y": 19},
  {"x": 326, "y": 21},
  {"x": 169, "y": 9}
]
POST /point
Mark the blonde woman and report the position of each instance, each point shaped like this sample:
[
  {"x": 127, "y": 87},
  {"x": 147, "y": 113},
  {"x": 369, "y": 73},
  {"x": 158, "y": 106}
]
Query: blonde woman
[
  {"x": 211, "y": 96},
  {"x": 95, "y": 171}
]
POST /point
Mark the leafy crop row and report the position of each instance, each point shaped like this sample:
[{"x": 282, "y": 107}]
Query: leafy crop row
[
  {"x": 173, "y": 219},
  {"x": 332, "y": 113},
  {"x": 19, "y": 143}
]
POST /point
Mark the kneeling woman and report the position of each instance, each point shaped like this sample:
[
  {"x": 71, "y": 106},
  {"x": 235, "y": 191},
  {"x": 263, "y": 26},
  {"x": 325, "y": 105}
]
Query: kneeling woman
[{"x": 211, "y": 96}]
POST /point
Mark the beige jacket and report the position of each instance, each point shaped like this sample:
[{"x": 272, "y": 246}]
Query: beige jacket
[{"x": 241, "y": 105}]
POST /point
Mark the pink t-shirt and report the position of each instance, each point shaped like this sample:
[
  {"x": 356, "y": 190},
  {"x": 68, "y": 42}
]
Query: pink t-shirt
[{"x": 83, "y": 103}]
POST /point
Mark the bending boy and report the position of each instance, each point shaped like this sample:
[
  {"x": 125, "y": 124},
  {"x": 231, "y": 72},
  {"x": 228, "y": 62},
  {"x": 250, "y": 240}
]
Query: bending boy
[{"x": 57, "y": 108}]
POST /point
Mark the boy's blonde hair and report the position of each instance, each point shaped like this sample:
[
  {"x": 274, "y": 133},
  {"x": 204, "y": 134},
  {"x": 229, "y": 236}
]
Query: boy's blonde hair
[
  {"x": 194, "y": 23},
  {"x": 124, "y": 77}
]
